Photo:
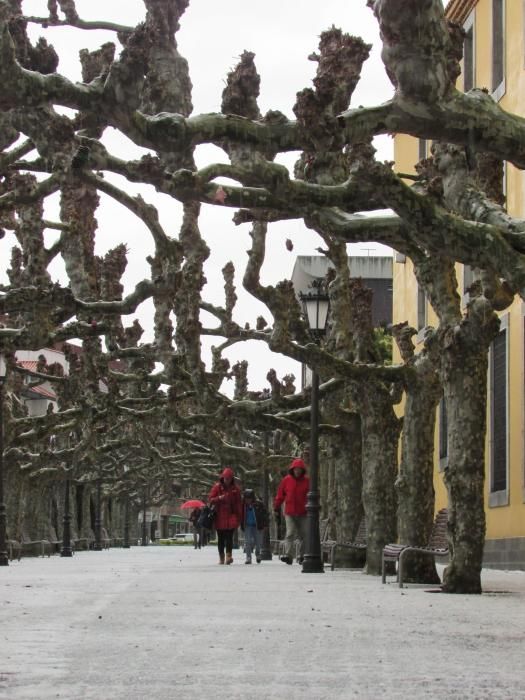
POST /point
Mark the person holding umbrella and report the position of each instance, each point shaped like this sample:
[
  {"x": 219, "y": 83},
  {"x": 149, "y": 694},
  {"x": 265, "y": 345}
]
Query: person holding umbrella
[
  {"x": 226, "y": 499},
  {"x": 197, "y": 531},
  {"x": 196, "y": 507}
]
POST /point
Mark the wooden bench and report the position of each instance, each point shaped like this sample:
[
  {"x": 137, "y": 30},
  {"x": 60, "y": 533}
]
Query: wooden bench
[
  {"x": 115, "y": 540},
  {"x": 104, "y": 539},
  {"x": 53, "y": 540},
  {"x": 437, "y": 547},
  {"x": 107, "y": 540},
  {"x": 43, "y": 545},
  {"x": 359, "y": 544},
  {"x": 12, "y": 546},
  {"x": 78, "y": 543}
]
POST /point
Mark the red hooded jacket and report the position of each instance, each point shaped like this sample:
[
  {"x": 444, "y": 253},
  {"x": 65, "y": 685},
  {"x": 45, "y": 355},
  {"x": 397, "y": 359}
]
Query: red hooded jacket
[
  {"x": 292, "y": 491},
  {"x": 227, "y": 503}
]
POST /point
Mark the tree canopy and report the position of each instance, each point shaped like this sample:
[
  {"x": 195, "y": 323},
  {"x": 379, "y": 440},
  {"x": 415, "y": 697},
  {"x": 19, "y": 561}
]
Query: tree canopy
[{"x": 155, "y": 405}]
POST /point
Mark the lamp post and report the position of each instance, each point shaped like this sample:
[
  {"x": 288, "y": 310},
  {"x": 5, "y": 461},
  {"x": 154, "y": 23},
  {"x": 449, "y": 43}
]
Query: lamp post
[
  {"x": 125, "y": 541},
  {"x": 4, "y": 559},
  {"x": 97, "y": 546},
  {"x": 316, "y": 305},
  {"x": 266, "y": 550},
  {"x": 144, "y": 542},
  {"x": 126, "y": 524},
  {"x": 66, "y": 550}
]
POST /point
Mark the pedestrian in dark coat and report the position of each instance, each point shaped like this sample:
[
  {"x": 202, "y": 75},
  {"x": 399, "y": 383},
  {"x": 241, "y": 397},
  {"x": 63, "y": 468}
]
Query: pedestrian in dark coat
[
  {"x": 254, "y": 520},
  {"x": 292, "y": 492},
  {"x": 197, "y": 531},
  {"x": 226, "y": 498}
]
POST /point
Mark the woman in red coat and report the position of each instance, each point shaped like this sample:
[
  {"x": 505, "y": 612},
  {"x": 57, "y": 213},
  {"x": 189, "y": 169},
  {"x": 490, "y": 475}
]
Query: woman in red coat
[{"x": 226, "y": 498}]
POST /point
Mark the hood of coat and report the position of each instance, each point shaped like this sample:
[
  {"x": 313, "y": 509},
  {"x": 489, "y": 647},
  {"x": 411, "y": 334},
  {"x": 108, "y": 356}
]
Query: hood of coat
[
  {"x": 227, "y": 472},
  {"x": 297, "y": 463}
]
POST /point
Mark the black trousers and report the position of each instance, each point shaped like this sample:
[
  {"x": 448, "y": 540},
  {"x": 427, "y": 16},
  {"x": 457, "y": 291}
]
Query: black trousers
[{"x": 224, "y": 541}]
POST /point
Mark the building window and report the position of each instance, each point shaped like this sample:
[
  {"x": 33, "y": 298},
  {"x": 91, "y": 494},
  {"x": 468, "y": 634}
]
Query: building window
[
  {"x": 498, "y": 49},
  {"x": 443, "y": 434},
  {"x": 469, "y": 55},
  {"x": 421, "y": 308},
  {"x": 499, "y": 418}
]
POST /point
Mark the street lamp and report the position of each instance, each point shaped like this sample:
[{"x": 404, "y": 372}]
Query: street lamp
[
  {"x": 4, "y": 559},
  {"x": 97, "y": 545},
  {"x": 266, "y": 549},
  {"x": 125, "y": 543},
  {"x": 316, "y": 305},
  {"x": 144, "y": 542},
  {"x": 67, "y": 549}
]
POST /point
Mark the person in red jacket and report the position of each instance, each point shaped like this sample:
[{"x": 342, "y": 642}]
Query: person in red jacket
[
  {"x": 226, "y": 498},
  {"x": 292, "y": 492}
]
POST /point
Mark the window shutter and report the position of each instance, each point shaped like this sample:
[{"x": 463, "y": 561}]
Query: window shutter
[
  {"x": 498, "y": 59},
  {"x": 443, "y": 429},
  {"x": 499, "y": 413}
]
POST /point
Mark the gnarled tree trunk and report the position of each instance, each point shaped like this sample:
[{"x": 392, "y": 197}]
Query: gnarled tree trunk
[
  {"x": 415, "y": 487},
  {"x": 380, "y": 431},
  {"x": 464, "y": 376}
]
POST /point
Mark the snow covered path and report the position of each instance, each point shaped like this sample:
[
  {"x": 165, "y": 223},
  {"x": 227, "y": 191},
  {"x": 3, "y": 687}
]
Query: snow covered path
[{"x": 168, "y": 622}]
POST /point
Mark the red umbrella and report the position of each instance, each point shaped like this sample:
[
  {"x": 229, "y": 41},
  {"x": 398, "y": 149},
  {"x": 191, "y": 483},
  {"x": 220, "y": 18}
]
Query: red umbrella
[{"x": 195, "y": 503}]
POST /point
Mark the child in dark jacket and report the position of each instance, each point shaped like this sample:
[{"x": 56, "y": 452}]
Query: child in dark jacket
[{"x": 254, "y": 520}]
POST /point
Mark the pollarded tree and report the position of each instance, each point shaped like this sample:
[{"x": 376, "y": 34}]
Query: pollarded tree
[{"x": 145, "y": 93}]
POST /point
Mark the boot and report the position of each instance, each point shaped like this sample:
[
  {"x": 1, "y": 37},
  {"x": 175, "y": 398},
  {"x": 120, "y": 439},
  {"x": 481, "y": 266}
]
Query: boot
[
  {"x": 221, "y": 558},
  {"x": 229, "y": 559}
]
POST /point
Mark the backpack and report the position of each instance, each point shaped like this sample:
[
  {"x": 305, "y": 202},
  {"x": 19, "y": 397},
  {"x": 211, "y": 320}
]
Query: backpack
[{"x": 207, "y": 517}]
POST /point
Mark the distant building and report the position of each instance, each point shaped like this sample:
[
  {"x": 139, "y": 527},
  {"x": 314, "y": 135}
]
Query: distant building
[
  {"x": 375, "y": 271},
  {"x": 38, "y": 395}
]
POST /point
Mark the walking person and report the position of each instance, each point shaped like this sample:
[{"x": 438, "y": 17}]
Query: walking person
[
  {"x": 254, "y": 520},
  {"x": 292, "y": 492},
  {"x": 197, "y": 531},
  {"x": 226, "y": 498}
]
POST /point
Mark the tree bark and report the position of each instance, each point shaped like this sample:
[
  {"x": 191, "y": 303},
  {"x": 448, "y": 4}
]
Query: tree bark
[
  {"x": 380, "y": 431},
  {"x": 415, "y": 481},
  {"x": 415, "y": 487},
  {"x": 464, "y": 376},
  {"x": 342, "y": 462}
]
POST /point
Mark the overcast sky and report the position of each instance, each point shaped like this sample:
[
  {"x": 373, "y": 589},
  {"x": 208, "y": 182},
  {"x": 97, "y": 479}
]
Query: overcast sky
[{"x": 281, "y": 33}]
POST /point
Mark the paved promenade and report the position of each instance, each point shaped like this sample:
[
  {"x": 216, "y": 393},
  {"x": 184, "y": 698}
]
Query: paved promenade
[{"x": 167, "y": 622}]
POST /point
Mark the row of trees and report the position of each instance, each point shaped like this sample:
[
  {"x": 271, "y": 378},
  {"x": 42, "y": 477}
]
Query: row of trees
[{"x": 160, "y": 411}]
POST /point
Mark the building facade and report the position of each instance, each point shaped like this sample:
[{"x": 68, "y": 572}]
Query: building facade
[
  {"x": 494, "y": 58},
  {"x": 375, "y": 271}
]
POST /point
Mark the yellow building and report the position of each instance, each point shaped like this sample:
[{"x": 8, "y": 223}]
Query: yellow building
[{"x": 494, "y": 58}]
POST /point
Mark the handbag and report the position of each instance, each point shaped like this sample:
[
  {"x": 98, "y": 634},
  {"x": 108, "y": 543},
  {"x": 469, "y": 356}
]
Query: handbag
[{"x": 207, "y": 517}]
